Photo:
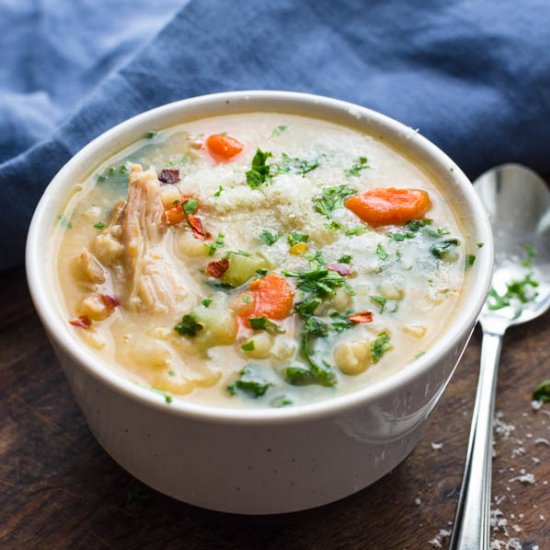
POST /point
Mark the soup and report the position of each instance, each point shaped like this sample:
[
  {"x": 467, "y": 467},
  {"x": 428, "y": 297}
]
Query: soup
[{"x": 259, "y": 260}]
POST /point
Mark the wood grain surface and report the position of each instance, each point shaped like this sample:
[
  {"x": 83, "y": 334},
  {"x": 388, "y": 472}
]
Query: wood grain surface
[{"x": 59, "y": 489}]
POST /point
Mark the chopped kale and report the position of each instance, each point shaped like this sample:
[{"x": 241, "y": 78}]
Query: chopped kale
[
  {"x": 188, "y": 326},
  {"x": 358, "y": 166},
  {"x": 251, "y": 382},
  {"x": 380, "y": 346},
  {"x": 332, "y": 198},
  {"x": 270, "y": 238},
  {"x": 260, "y": 172}
]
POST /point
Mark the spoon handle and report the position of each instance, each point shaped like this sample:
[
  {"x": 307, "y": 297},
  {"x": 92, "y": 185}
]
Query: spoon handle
[{"x": 471, "y": 525}]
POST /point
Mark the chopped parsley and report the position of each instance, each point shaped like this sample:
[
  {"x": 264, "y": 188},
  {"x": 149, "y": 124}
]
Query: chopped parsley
[
  {"x": 262, "y": 323},
  {"x": 219, "y": 191},
  {"x": 381, "y": 252},
  {"x": 167, "y": 397},
  {"x": 332, "y": 198},
  {"x": 345, "y": 259},
  {"x": 358, "y": 166},
  {"x": 190, "y": 206},
  {"x": 295, "y": 165},
  {"x": 295, "y": 238},
  {"x": 444, "y": 249},
  {"x": 480, "y": 244},
  {"x": 249, "y": 345},
  {"x": 260, "y": 172},
  {"x": 516, "y": 291},
  {"x": 100, "y": 225},
  {"x": 542, "y": 391},
  {"x": 531, "y": 254},
  {"x": 470, "y": 260},
  {"x": 216, "y": 245},
  {"x": 251, "y": 382},
  {"x": 281, "y": 401},
  {"x": 151, "y": 134},
  {"x": 357, "y": 230},
  {"x": 269, "y": 238},
  {"x": 380, "y": 346},
  {"x": 380, "y": 301},
  {"x": 188, "y": 326},
  {"x": 206, "y": 302},
  {"x": 64, "y": 222},
  {"x": 278, "y": 131}
]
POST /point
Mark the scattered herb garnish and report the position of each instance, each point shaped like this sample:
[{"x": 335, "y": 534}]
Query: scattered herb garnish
[
  {"x": 358, "y": 166},
  {"x": 346, "y": 259},
  {"x": 380, "y": 346},
  {"x": 444, "y": 249},
  {"x": 281, "y": 401},
  {"x": 470, "y": 260},
  {"x": 219, "y": 191},
  {"x": 100, "y": 225},
  {"x": 531, "y": 254},
  {"x": 251, "y": 382},
  {"x": 262, "y": 323},
  {"x": 190, "y": 206},
  {"x": 380, "y": 301},
  {"x": 332, "y": 198},
  {"x": 278, "y": 131},
  {"x": 295, "y": 165},
  {"x": 381, "y": 252},
  {"x": 151, "y": 134},
  {"x": 515, "y": 291},
  {"x": 216, "y": 245},
  {"x": 542, "y": 391},
  {"x": 64, "y": 222},
  {"x": 480, "y": 245},
  {"x": 188, "y": 326},
  {"x": 260, "y": 171},
  {"x": 167, "y": 397},
  {"x": 270, "y": 238},
  {"x": 249, "y": 345},
  {"x": 357, "y": 230},
  {"x": 295, "y": 238},
  {"x": 206, "y": 302}
]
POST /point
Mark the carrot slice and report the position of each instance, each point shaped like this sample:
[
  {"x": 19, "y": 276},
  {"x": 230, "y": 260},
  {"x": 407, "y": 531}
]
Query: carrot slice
[
  {"x": 174, "y": 215},
  {"x": 270, "y": 297},
  {"x": 223, "y": 148},
  {"x": 389, "y": 206}
]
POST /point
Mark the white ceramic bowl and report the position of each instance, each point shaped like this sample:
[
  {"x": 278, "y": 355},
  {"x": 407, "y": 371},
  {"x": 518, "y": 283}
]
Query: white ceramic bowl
[{"x": 258, "y": 461}]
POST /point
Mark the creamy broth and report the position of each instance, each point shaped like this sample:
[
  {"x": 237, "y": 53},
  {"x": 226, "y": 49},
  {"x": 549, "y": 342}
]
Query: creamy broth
[{"x": 245, "y": 278}]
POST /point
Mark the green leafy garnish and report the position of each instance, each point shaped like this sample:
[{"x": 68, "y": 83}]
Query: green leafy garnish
[
  {"x": 262, "y": 323},
  {"x": 380, "y": 346},
  {"x": 345, "y": 259},
  {"x": 381, "y": 252},
  {"x": 216, "y": 245},
  {"x": 380, "y": 301},
  {"x": 260, "y": 171},
  {"x": 188, "y": 326},
  {"x": 332, "y": 198},
  {"x": 99, "y": 225},
  {"x": 219, "y": 191},
  {"x": 64, "y": 222},
  {"x": 167, "y": 397},
  {"x": 444, "y": 249},
  {"x": 278, "y": 131},
  {"x": 206, "y": 302},
  {"x": 295, "y": 238},
  {"x": 531, "y": 254},
  {"x": 357, "y": 230},
  {"x": 358, "y": 166},
  {"x": 295, "y": 165},
  {"x": 542, "y": 391},
  {"x": 190, "y": 206},
  {"x": 518, "y": 291},
  {"x": 470, "y": 260},
  {"x": 281, "y": 401},
  {"x": 270, "y": 238},
  {"x": 249, "y": 345},
  {"x": 480, "y": 245},
  {"x": 151, "y": 134},
  {"x": 251, "y": 382}
]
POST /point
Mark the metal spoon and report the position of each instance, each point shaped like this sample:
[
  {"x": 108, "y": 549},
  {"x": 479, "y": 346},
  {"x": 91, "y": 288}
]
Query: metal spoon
[{"x": 518, "y": 204}]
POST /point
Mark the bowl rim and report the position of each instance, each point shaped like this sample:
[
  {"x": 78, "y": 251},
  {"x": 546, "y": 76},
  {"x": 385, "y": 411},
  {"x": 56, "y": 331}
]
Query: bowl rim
[{"x": 44, "y": 301}]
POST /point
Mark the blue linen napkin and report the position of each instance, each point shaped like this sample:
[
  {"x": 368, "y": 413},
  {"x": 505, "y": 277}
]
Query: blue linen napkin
[{"x": 472, "y": 76}]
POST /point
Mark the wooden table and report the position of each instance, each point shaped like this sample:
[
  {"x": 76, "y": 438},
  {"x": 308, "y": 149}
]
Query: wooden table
[{"x": 59, "y": 489}]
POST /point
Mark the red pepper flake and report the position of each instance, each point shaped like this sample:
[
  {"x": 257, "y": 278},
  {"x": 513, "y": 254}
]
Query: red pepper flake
[
  {"x": 196, "y": 226},
  {"x": 81, "y": 322},
  {"x": 342, "y": 269},
  {"x": 361, "y": 317},
  {"x": 110, "y": 301},
  {"x": 170, "y": 175},
  {"x": 217, "y": 268}
]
